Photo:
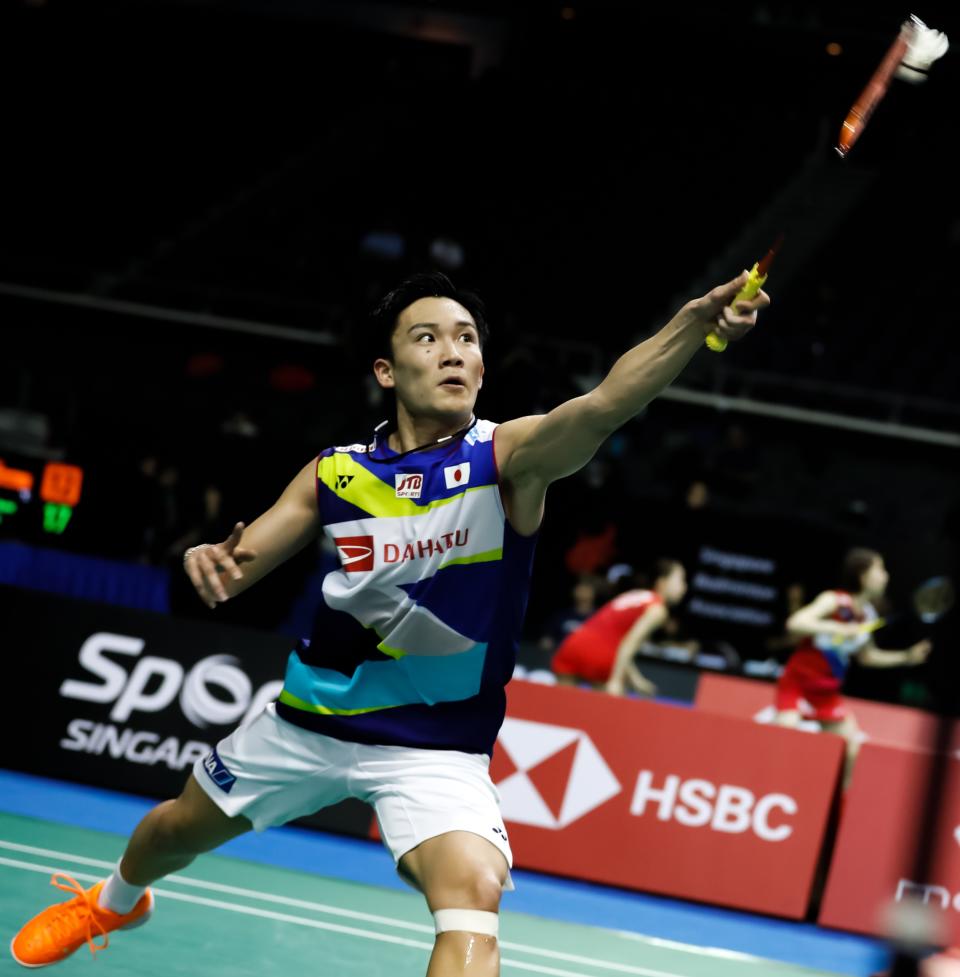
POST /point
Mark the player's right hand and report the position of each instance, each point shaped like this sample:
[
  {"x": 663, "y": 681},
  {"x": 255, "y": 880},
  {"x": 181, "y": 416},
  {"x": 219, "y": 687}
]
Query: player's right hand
[
  {"x": 205, "y": 565},
  {"x": 716, "y": 313}
]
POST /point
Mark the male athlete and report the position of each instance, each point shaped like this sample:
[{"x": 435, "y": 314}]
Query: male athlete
[{"x": 398, "y": 696}]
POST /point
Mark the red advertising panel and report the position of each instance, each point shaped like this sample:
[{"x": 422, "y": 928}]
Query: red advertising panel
[
  {"x": 664, "y": 799},
  {"x": 873, "y": 863},
  {"x": 879, "y": 722}
]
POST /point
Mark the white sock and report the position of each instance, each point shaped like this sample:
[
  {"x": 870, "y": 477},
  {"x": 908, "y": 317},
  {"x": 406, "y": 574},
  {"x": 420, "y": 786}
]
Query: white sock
[{"x": 119, "y": 896}]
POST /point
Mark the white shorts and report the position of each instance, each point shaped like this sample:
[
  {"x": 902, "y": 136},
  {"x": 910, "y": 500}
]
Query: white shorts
[{"x": 271, "y": 772}]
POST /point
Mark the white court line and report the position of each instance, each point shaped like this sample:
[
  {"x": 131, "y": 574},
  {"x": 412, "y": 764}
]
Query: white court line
[
  {"x": 331, "y": 927},
  {"x": 706, "y": 951},
  {"x": 334, "y": 927},
  {"x": 397, "y": 923},
  {"x": 232, "y": 890}
]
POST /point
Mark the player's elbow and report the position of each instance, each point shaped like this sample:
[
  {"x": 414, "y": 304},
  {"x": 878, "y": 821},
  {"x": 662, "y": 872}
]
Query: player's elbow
[
  {"x": 601, "y": 414},
  {"x": 795, "y": 625}
]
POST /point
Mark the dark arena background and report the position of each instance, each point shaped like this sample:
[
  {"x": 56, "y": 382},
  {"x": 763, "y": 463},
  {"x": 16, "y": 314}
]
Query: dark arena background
[{"x": 203, "y": 200}]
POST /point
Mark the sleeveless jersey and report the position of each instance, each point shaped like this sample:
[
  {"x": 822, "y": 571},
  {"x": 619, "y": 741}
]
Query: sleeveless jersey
[
  {"x": 838, "y": 653},
  {"x": 416, "y": 635},
  {"x": 591, "y": 651},
  {"x": 610, "y": 624}
]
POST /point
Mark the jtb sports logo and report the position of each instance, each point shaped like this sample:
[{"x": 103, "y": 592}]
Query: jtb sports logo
[
  {"x": 408, "y": 486},
  {"x": 556, "y": 775},
  {"x": 356, "y": 552}
]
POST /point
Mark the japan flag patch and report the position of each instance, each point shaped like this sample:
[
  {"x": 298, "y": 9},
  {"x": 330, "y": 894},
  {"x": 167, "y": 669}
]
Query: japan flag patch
[{"x": 457, "y": 476}]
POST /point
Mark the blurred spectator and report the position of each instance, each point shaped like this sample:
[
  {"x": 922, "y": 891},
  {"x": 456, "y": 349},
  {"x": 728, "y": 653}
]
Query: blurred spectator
[
  {"x": 592, "y": 551},
  {"x": 565, "y": 621},
  {"x": 160, "y": 493},
  {"x": 208, "y": 527},
  {"x": 697, "y": 496},
  {"x": 446, "y": 253},
  {"x": 385, "y": 243},
  {"x": 240, "y": 425}
]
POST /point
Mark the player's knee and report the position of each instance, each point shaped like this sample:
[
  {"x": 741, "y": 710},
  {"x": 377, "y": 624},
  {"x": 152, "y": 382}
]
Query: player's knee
[
  {"x": 476, "y": 888},
  {"x": 484, "y": 890}
]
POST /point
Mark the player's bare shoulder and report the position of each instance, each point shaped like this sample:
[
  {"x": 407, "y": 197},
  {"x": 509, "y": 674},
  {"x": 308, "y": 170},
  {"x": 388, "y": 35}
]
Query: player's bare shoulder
[{"x": 511, "y": 436}]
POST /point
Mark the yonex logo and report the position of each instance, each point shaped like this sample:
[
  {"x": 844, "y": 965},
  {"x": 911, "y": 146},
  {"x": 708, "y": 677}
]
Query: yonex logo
[
  {"x": 557, "y": 776},
  {"x": 408, "y": 486},
  {"x": 356, "y": 552},
  {"x": 343, "y": 481}
]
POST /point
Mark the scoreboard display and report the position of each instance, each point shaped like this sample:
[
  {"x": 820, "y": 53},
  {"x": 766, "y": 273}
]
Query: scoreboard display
[{"x": 38, "y": 498}]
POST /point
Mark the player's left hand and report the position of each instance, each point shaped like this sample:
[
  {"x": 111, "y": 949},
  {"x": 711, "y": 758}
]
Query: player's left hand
[{"x": 639, "y": 682}]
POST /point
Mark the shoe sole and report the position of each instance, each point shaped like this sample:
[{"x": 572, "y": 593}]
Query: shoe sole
[{"x": 139, "y": 921}]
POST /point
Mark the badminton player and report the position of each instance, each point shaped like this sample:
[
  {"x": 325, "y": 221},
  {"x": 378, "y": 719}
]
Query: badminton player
[
  {"x": 601, "y": 651},
  {"x": 398, "y": 696},
  {"x": 837, "y": 627}
]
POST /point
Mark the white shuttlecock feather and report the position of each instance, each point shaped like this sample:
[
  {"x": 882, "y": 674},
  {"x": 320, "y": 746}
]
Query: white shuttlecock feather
[{"x": 925, "y": 45}]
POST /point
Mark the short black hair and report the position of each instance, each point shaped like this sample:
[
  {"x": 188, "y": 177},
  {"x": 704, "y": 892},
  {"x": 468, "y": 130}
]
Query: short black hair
[
  {"x": 855, "y": 565},
  {"x": 429, "y": 284}
]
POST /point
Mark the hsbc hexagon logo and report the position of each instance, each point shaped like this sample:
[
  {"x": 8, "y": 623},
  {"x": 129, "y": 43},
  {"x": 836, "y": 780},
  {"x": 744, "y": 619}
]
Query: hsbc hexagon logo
[{"x": 549, "y": 776}]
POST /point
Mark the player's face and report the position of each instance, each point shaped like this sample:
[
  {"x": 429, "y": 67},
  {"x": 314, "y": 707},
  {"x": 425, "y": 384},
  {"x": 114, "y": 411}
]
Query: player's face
[
  {"x": 875, "y": 579},
  {"x": 437, "y": 366},
  {"x": 676, "y": 585}
]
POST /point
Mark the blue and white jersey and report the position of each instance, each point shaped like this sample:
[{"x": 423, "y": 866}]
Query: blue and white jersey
[
  {"x": 416, "y": 636},
  {"x": 839, "y": 651}
]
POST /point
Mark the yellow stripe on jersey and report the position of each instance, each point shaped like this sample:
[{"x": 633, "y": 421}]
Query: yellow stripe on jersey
[
  {"x": 353, "y": 483},
  {"x": 303, "y": 706},
  {"x": 392, "y": 652},
  {"x": 489, "y": 556}
]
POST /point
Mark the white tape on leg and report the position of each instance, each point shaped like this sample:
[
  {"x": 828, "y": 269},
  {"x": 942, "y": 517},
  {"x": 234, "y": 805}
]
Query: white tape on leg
[{"x": 467, "y": 921}]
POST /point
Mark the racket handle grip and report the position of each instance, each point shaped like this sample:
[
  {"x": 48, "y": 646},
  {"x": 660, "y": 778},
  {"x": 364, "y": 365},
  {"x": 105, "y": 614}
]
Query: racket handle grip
[{"x": 754, "y": 283}]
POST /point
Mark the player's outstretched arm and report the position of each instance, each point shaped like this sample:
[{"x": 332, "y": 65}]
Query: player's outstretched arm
[
  {"x": 544, "y": 448},
  {"x": 873, "y": 657},
  {"x": 642, "y": 628},
  {"x": 220, "y": 571}
]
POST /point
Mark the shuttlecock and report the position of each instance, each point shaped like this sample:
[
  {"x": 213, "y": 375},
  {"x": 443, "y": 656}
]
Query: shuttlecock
[{"x": 924, "y": 46}]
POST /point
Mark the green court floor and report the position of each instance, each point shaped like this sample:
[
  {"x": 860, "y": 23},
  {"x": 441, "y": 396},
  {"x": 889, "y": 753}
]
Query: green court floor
[{"x": 226, "y": 916}]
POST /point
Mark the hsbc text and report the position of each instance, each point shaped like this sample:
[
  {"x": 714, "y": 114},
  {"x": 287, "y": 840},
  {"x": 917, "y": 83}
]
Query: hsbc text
[{"x": 728, "y": 808}]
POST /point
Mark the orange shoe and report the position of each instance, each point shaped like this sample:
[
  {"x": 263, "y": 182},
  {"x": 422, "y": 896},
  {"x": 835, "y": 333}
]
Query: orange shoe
[{"x": 60, "y": 930}]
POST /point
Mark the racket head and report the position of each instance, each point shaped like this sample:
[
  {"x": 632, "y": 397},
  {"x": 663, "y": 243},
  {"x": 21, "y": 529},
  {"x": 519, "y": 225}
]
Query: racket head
[{"x": 933, "y": 599}]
